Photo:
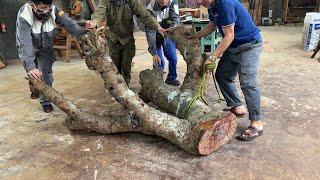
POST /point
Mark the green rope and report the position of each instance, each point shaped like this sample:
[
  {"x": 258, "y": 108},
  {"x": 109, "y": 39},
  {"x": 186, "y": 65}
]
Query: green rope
[{"x": 211, "y": 66}]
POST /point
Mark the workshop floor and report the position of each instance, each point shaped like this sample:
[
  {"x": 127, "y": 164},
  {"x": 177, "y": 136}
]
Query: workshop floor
[{"x": 35, "y": 145}]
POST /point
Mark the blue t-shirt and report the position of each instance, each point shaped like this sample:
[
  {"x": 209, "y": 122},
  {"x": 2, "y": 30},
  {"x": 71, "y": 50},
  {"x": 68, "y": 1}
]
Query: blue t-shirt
[{"x": 228, "y": 12}]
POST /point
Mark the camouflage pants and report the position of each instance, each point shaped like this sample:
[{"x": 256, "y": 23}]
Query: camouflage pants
[{"x": 122, "y": 56}]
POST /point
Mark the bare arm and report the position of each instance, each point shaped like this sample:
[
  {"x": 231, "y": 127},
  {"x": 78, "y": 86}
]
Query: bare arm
[
  {"x": 226, "y": 42},
  {"x": 206, "y": 31}
]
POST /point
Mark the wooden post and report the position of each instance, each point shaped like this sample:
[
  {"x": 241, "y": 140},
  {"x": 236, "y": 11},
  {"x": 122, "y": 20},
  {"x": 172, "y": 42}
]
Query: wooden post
[
  {"x": 92, "y": 5},
  {"x": 64, "y": 41},
  {"x": 68, "y": 48},
  {"x": 2, "y": 60}
]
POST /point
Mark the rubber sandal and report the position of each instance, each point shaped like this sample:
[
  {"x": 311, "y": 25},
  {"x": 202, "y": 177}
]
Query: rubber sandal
[{"x": 251, "y": 135}]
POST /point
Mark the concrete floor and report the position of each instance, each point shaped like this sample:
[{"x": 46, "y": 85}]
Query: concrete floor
[{"x": 35, "y": 145}]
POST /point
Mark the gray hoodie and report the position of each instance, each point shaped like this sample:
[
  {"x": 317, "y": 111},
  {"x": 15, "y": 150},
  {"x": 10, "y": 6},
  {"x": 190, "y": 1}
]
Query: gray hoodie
[
  {"x": 36, "y": 36},
  {"x": 166, "y": 17}
]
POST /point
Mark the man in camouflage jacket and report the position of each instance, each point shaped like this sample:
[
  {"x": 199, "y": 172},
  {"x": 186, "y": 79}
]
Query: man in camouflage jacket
[{"x": 118, "y": 15}]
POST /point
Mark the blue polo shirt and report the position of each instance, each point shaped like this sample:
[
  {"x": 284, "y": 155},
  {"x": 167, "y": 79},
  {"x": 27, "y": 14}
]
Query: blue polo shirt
[{"x": 231, "y": 12}]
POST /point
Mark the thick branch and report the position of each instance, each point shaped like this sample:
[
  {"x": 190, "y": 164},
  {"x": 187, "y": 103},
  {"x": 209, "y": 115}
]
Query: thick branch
[
  {"x": 200, "y": 136},
  {"x": 81, "y": 120},
  {"x": 196, "y": 137}
]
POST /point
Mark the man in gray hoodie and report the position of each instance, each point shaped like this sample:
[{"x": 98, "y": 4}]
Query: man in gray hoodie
[
  {"x": 37, "y": 23},
  {"x": 166, "y": 12}
]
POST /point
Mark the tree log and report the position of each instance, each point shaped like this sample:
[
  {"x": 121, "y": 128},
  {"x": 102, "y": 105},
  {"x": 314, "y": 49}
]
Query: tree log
[
  {"x": 197, "y": 136},
  {"x": 172, "y": 99},
  {"x": 176, "y": 100},
  {"x": 81, "y": 120}
]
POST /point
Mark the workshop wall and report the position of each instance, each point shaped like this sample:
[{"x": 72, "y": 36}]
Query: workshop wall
[{"x": 7, "y": 40}]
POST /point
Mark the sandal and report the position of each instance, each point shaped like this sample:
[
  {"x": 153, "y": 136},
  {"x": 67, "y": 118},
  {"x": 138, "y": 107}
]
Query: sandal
[
  {"x": 250, "y": 134},
  {"x": 47, "y": 108}
]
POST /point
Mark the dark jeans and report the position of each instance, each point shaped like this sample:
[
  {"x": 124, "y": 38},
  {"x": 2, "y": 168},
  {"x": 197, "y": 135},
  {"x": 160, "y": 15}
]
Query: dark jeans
[
  {"x": 44, "y": 62},
  {"x": 243, "y": 61},
  {"x": 169, "y": 50}
]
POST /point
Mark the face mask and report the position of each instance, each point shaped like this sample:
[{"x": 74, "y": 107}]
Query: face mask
[{"x": 41, "y": 14}]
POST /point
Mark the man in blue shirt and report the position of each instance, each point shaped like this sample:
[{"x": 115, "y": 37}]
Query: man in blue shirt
[{"x": 240, "y": 51}]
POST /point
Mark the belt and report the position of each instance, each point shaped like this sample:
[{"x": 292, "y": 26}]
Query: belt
[{"x": 245, "y": 47}]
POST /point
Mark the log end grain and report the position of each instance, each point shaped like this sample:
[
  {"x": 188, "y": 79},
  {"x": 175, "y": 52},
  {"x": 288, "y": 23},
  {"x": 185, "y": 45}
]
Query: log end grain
[{"x": 215, "y": 133}]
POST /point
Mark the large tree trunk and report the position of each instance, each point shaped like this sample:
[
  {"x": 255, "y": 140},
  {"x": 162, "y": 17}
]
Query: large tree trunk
[
  {"x": 81, "y": 120},
  {"x": 220, "y": 126},
  {"x": 176, "y": 100},
  {"x": 200, "y": 136}
]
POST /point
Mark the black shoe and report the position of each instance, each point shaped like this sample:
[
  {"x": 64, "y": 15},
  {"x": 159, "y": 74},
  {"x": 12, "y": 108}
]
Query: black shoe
[
  {"x": 173, "y": 82},
  {"x": 47, "y": 108},
  {"x": 34, "y": 95}
]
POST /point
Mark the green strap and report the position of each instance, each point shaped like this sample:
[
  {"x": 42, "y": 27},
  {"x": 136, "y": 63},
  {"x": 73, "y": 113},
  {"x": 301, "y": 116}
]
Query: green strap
[{"x": 201, "y": 89}]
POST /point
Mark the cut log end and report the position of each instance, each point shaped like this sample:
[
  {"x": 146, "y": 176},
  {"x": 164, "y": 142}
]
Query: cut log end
[{"x": 216, "y": 133}]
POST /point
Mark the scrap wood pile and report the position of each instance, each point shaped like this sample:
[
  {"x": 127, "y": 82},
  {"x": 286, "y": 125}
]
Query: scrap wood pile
[{"x": 194, "y": 127}]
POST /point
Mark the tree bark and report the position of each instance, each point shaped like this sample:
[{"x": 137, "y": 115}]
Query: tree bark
[
  {"x": 200, "y": 136},
  {"x": 176, "y": 100},
  {"x": 81, "y": 120},
  {"x": 195, "y": 135},
  {"x": 172, "y": 99}
]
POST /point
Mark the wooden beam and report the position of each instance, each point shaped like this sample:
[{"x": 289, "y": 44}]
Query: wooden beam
[
  {"x": 92, "y": 5},
  {"x": 2, "y": 60}
]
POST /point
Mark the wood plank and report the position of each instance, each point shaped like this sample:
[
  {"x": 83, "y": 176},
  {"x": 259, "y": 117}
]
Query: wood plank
[
  {"x": 255, "y": 11},
  {"x": 77, "y": 44},
  {"x": 259, "y": 18},
  {"x": 193, "y": 12},
  {"x": 59, "y": 47},
  {"x": 92, "y": 5},
  {"x": 203, "y": 12},
  {"x": 68, "y": 50},
  {"x": 295, "y": 13},
  {"x": 2, "y": 60},
  {"x": 285, "y": 11}
]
